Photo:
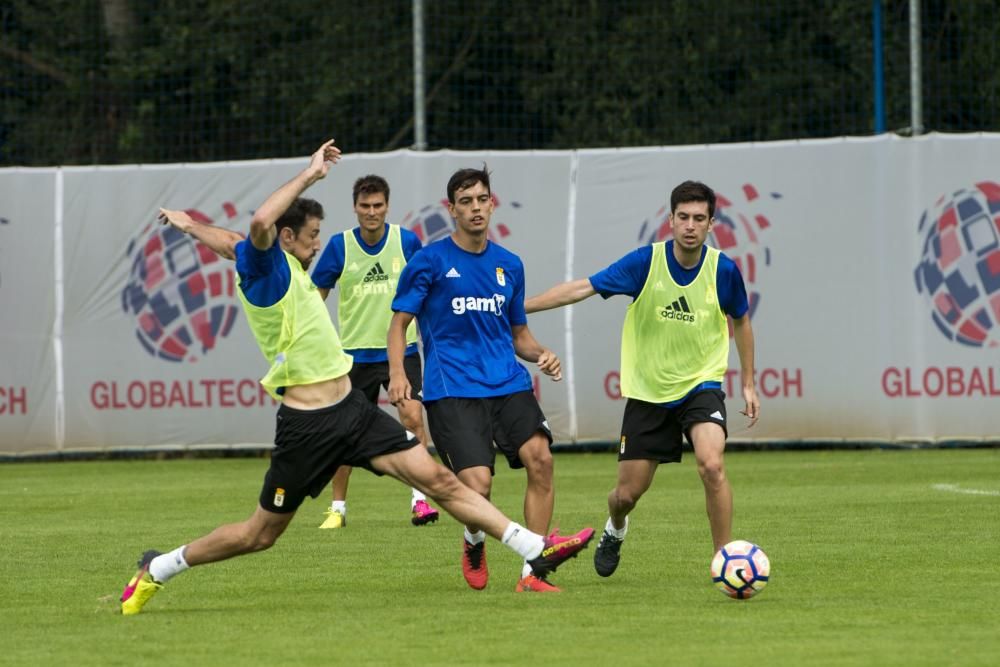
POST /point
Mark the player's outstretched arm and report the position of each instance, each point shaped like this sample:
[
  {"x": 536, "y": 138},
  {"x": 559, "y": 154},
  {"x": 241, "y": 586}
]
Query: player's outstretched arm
[
  {"x": 399, "y": 385},
  {"x": 262, "y": 231},
  {"x": 743, "y": 335},
  {"x": 528, "y": 348},
  {"x": 560, "y": 295},
  {"x": 219, "y": 240}
]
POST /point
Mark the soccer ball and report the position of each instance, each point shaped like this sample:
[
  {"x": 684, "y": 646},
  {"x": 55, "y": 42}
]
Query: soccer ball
[{"x": 740, "y": 569}]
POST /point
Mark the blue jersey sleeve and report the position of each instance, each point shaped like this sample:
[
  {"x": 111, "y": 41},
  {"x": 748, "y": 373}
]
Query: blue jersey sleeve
[
  {"x": 626, "y": 276},
  {"x": 411, "y": 243},
  {"x": 516, "y": 313},
  {"x": 330, "y": 265},
  {"x": 264, "y": 274},
  {"x": 732, "y": 292},
  {"x": 414, "y": 284}
]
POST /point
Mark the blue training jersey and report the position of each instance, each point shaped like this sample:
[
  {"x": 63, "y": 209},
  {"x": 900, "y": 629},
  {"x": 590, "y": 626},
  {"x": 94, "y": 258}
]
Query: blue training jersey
[
  {"x": 264, "y": 274},
  {"x": 466, "y": 304},
  {"x": 628, "y": 276},
  {"x": 330, "y": 267}
]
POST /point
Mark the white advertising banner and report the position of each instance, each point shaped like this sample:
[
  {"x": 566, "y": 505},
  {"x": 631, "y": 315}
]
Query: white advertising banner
[
  {"x": 872, "y": 266},
  {"x": 29, "y": 381}
]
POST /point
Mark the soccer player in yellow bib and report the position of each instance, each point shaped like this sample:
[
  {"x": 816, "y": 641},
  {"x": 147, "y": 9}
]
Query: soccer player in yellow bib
[
  {"x": 674, "y": 357},
  {"x": 366, "y": 262},
  {"x": 322, "y": 422}
]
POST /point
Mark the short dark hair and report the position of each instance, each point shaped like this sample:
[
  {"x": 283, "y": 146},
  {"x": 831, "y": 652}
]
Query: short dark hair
[
  {"x": 693, "y": 191},
  {"x": 295, "y": 217},
  {"x": 369, "y": 185},
  {"x": 466, "y": 178}
]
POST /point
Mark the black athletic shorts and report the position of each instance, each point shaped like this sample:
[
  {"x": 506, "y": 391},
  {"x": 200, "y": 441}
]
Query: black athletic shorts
[
  {"x": 465, "y": 429},
  {"x": 370, "y": 377},
  {"x": 653, "y": 432},
  {"x": 309, "y": 446}
]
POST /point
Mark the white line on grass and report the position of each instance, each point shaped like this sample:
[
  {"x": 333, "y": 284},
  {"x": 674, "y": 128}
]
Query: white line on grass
[{"x": 954, "y": 488}]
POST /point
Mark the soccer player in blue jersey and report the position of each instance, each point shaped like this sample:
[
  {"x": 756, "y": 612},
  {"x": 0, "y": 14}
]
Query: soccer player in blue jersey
[
  {"x": 366, "y": 262},
  {"x": 322, "y": 422},
  {"x": 467, "y": 294},
  {"x": 675, "y": 352}
]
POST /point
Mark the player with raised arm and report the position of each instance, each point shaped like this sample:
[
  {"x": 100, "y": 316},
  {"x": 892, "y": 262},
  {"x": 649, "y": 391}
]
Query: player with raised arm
[{"x": 321, "y": 423}]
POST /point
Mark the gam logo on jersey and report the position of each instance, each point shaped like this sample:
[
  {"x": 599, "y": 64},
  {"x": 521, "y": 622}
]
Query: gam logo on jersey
[
  {"x": 958, "y": 272},
  {"x": 463, "y": 304},
  {"x": 180, "y": 293},
  {"x": 433, "y": 222},
  {"x": 738, "y": 230}
]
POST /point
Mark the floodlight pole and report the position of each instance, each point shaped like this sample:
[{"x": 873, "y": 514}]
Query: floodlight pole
[
  {"x": 419, "y": 108},
  {"x": 916, "y": 92}
]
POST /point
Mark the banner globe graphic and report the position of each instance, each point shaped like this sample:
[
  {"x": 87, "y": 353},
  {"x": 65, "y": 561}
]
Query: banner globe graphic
[
  {"x": 180, "y": 293},
  {"x": 736, "y": 232},
  {"x": 433, "y": 222},
  {"x": 959, "y": 268}
]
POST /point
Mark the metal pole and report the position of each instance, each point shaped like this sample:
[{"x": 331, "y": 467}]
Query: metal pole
[
  {"x": 916, "y": 93},
  {"x": 879, "y": 92},
  {"x": 419, "y": 109}
]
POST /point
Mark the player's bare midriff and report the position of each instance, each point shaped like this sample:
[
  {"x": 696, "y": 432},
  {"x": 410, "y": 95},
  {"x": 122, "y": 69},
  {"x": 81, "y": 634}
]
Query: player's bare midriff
[{"x": 317, "y": 395}]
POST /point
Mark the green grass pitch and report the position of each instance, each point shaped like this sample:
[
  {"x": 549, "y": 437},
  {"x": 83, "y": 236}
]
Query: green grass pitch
[{"x": 879, "y": 557}]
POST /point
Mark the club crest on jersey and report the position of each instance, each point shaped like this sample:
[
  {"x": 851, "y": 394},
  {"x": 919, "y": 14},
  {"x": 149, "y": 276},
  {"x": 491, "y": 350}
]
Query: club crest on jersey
[{"x": 501, "y": 280}]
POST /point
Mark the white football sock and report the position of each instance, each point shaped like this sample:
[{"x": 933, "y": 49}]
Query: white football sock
[
  {"x": 620, "y": 534},
  {"x": 339, "y": 506},
  {"x": 417, "y": 496},
  {"x": 474, "y": 538},
  {"x": 526, "y": 570},
  {"x": 165, "y": 566},
  {"x": 526, "y": 543}
]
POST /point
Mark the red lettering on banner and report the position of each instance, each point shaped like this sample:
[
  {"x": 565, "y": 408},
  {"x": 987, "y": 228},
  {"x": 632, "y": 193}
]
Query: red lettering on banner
[
  {"x": 934, "y": 382},
  {"x": 240, "y": 393},
  {"x": 13, "y": 400},
  {"x": 136, "y": 394},
  {"x": 193, "y": 401},
  {"x": 209, "y": 386},
  {"x": 976, "y": 383},
  {"x": 226, "y": 392},
  {"x": 772, "y": 383},
  {"x": 157, "y": 394},
  {"x": 98, "y": 397},
  {"x": 766, "y": 389},
  {"x": 956, "y": 381},
  {"x": 909, "y": 387},
  {"x": 791, "y": 382},
  {"x": 613, "y": 386},
  {"x": 189, "y": 394},
  {"x": 176, "y": 397}
]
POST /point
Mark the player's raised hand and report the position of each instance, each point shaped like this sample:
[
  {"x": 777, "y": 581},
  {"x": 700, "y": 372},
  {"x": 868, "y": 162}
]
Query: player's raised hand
[
  {"x": 326, "y": 156},
  {"x": 752, "y": 410},
  {"x": 549, "y": 364},
  {"x": 177, "y": 219}
]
